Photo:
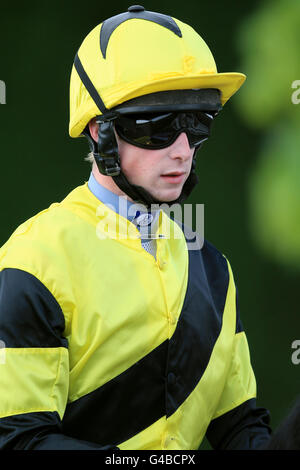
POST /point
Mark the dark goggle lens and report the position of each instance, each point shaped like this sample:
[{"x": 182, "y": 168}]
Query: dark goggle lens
[{"x": 161, "y": 130}]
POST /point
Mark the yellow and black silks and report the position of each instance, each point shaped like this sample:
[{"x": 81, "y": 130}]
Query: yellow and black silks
[{"x": 107, "y": 346}]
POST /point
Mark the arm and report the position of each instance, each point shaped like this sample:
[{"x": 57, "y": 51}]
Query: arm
[
  {"x": 245, "y": 427},
  {"x": 35, "y": 372},
  {"x": 238, "y": 423}
]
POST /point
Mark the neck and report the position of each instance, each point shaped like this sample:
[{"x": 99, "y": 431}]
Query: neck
[{"x": 108, "y": 183}]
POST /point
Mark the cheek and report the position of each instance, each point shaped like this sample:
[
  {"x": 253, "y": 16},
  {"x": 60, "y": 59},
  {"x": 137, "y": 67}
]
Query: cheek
[
  {"x": 136, "y": 162},
  {"x": 141, "y": 170},
  {"x": 132, "y": 163}
]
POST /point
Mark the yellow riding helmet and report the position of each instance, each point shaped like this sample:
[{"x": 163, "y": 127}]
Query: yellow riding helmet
[{"x": 137, "y": 53}]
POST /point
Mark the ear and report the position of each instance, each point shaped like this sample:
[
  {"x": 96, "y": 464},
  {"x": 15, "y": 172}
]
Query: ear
[{"x": 93, "y": 127}]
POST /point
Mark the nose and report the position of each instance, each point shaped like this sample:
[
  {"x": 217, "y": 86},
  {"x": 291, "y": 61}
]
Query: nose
[{"x": 181, "y": 148}]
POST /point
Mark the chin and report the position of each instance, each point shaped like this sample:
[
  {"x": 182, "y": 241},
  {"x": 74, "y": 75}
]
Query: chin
[{"x": 168, "y": 196}]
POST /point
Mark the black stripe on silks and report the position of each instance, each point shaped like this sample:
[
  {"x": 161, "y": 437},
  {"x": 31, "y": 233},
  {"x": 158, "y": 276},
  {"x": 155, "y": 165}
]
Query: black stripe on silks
[
  {"x": 39, "y": 431},
  {"x": 199, "y": 324},
  {"x": 239, "y": 324},
  {"x": 112, "y": 23},
  {"x": 159, "y": 383},
  {"x": 30, "y": 316},
  {"x": 123, "y": 406},
  {"x": 89, "y": 85},
  {"x": 17, "y": 431},
  {"x": 245, "y": 427}
]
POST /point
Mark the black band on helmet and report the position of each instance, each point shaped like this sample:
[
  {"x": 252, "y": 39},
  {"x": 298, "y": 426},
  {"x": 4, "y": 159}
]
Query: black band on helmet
[
  {"x": 89, "y": 85},
  {"x": 139, "y": 12},
  {"x": 205, "y": 99}
]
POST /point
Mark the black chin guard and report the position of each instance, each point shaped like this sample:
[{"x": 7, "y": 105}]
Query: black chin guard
[{"x": 105, "y": 151}]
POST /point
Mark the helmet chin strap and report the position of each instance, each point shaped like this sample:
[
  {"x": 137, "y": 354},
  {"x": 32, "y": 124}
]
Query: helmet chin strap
[{"x": 141, "y": 195}]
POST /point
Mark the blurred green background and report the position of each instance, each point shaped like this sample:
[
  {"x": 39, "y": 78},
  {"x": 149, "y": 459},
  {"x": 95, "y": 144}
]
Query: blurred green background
[{"x": 249, "y": 170}]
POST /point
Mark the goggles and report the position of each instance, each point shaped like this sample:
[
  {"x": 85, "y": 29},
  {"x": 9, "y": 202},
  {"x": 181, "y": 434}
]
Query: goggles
[{"x": 157, "y": 131}]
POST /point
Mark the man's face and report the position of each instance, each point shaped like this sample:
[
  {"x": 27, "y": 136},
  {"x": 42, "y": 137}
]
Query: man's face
[{"x": 149, "y": 168}]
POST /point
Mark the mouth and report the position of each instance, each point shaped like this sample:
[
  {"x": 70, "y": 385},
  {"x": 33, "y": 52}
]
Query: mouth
[{"x": 174, "y": 176}]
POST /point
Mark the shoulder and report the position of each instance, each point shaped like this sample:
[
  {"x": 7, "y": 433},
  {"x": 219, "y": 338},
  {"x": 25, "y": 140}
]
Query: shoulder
[
  {"x": 214, "y": 260},
  {"x": 36, "y": 260},
  {"x": 215, "y": 263},
  {"x": 45, "y": 226},
  {"x": 41, "y": 244},
  {"x": 39, "y": 232}
]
